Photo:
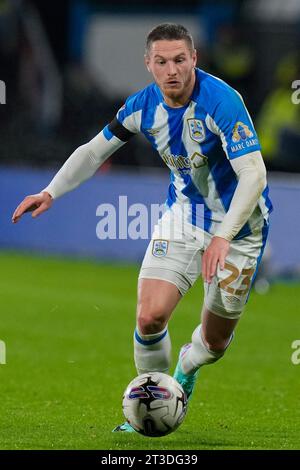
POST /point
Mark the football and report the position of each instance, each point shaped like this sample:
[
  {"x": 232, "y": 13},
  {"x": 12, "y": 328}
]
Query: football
[{"x": 154, "y": 404}]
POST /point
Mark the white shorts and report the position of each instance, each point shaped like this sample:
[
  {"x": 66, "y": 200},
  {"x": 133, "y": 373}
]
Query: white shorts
[{"x": 175, "y": 255}]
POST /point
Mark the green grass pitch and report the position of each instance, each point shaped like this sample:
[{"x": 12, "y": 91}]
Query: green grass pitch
[{"x": 68, "y": 329}]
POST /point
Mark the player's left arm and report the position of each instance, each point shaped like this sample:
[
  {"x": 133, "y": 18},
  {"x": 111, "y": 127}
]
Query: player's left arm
[
  {"x": 251, "y": 174},
  {"x": 230, "y": 120}
]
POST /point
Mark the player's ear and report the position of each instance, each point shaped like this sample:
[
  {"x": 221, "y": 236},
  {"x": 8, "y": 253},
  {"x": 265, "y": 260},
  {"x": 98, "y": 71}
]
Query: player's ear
[
  {"x": 147, "y": 61},
  {"x": 194, "y": 57}
]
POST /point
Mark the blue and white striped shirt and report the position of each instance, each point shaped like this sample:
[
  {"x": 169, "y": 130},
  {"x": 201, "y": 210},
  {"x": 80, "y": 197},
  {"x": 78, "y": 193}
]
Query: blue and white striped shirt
[{"x": 197, "y": 142}]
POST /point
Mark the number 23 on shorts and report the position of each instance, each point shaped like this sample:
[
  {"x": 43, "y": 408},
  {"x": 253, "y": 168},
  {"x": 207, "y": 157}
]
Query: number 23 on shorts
[{"x": 245, "y": 274}]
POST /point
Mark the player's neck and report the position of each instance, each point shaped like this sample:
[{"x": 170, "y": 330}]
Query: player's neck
[{"x": 182, "y": 100}]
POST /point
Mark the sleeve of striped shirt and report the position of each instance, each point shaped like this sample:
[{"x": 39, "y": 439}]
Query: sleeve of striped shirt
[
  {"x": 233, "y": 123},
  {"x": 87, "y": 158},
  {"x": 82, "y": 164},
  {"x": 127, "y": 122}
]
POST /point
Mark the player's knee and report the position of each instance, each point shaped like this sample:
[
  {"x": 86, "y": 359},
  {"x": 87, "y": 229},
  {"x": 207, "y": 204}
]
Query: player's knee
[{"x": 151, "y": 320}]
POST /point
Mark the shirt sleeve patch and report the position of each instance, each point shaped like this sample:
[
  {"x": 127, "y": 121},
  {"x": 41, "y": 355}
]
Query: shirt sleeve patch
[{"x": 242, "y": 138}]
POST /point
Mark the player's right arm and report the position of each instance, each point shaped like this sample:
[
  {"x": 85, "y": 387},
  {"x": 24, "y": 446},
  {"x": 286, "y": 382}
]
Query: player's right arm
[{"x": 80, "y": 166}]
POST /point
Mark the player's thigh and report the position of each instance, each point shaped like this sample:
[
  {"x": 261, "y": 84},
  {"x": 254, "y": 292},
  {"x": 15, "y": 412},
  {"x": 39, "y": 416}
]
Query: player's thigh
[
  {"x": 156, "y": 301},
  {"x": 172, "y": 255},
  {"x": 228, "y": 293},
  {"x": 176, "y": 262},
  {"x": 168, "y": 270},
  {"x": 170, "y": 267}
]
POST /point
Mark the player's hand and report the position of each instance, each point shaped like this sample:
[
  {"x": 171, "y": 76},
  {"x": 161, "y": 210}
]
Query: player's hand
[
  {"x": 36, "y": 203},
  {"x": 214, "y": 255}
]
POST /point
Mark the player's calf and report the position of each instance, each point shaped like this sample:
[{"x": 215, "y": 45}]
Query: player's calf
[
  {"x": 200, "y": 354},
  {"x": 152, "y": 346},
  {"x": 194, "y": 355}
]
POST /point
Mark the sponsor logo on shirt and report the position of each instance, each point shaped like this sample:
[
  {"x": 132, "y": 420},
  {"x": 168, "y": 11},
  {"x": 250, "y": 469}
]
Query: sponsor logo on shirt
[
  {"x": 185, "y": 164},
  {"x": 242, "y": 137},
  {"x": 241, "y": 132},
  {"x": 196, "y": 130},
  {"x": 152, "y": 131}
]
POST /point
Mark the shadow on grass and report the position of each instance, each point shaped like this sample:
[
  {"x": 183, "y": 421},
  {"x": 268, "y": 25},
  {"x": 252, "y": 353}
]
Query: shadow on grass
[{"x": 190, "y": 442}]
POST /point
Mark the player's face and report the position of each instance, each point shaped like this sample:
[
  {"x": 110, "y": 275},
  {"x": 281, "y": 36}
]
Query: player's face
[{"x": 172, "y": 66}]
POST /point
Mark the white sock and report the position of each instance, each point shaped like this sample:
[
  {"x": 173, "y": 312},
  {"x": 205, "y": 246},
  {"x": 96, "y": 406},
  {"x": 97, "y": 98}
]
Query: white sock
[
  {"x": 198, "y": 354},
  {"x": 152, "y": 353}
]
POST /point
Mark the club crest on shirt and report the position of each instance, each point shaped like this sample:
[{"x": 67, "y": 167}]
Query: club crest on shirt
[
  {"x": 196, "y": 130},
  {"x": 241, "y": 132},
  {"x": 160, "y": 248}
]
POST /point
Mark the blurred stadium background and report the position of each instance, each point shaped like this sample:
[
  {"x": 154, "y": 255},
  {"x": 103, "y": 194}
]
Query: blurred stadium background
[{"x": 67, "y": 67}]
